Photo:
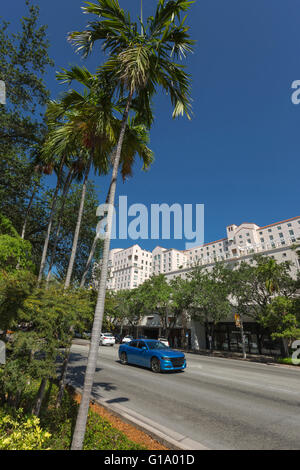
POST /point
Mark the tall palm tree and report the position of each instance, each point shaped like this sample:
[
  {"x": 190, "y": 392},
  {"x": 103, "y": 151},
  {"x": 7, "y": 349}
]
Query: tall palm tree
[
  {"x": 93, "y": 119},
  {"x": 55, "y": 153},
  {"x": 135, "y": 142},
  {"x": 77, "y": 123},
  {"x": 61, "y": 163},
  {"x": 67, "y": 186},
  {"x": 140, "y": 60},
  {"x": 37, "y": 170},
  {"x": 94, "y": 115}
]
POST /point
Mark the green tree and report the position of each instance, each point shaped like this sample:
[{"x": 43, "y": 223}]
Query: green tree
[
  {"x": 155, "y": 294},
  {"x": 46, "y": 317},
  {"x": 24, "y": 60},
  {"x": 210, "y": 296},
  {"x": 281, "y": 319},
  {"x": 16, "y": 278},
  {"x": 181, "y": 303},
  {"x": 68, "y": 220},
  {"x": 256, "y": 285},
  {"x": 140, "y": 59},
  {"x": 117, "y": 310}
]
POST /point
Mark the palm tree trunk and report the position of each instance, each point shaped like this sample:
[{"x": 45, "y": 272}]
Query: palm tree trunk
[
  {"x": 40, "y": 395},
  {"x": 92, "y": 252},
  {"x": 65, "y": 192},
  {"x": 52, "y": 212},
  {"x": 63, "y": 376},
  {"x": 285, "y": 347},
  {"x": 27, "y": 212},
  {"x": 81, "y": 421},
  {"x": 89, "y": 261},
  {"x": 78, "y": 225}
]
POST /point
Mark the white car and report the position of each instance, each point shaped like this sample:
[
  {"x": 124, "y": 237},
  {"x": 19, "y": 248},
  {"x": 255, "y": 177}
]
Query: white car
[
  {"x": 107, "y": 339},
  {"x": 127, "y": 339},
  {"x": 164, "y": 341}
]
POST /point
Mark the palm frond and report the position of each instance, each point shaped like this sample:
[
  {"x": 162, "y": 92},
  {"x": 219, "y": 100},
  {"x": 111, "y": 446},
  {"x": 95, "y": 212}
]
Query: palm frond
[
  {"x": 79, "y": 74},
  {"x": 166, "y": 13}
]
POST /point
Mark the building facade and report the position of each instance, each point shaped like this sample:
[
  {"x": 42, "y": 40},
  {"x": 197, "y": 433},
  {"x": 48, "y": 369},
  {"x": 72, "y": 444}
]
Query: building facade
[{"x": 128, "y": 268}]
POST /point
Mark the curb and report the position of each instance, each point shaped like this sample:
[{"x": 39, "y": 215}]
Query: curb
[{"x": 169, "y": 438}]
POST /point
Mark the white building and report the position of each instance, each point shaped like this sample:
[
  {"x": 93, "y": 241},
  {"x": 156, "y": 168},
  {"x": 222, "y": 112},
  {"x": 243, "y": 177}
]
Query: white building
[
  {"x": 130, "y": 267},
  {"x": 275, "y": 240},
  {"x": 168, "y": 260}
]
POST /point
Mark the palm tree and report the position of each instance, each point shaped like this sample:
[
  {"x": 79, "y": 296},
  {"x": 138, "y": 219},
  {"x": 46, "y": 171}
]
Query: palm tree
[
  {"x": 51, "y": 217},
  {"x": 89, "y": 123},
  {"x": 138, "y": 63},
  {"x": 56, "y": 151},
  {"x": 135, "y": 142},
  {"x": 37, "y": 172},
  {"x": 93, "y": 116},
  {"x": 77, "y": 124},
  {"x": 58, "y": 227}
]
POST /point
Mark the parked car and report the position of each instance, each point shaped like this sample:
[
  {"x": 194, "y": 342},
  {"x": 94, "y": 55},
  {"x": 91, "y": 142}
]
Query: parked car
[
  {"x": 107, "y": 339},
  {"x": 153, "y": 354},
  {"x": 164, "y": 341},
  {"x": 82, "y": 335},
  {"x": 127, "y": 339},
  {"x": 86, "y": 335},
  {"x": 118, "y": 338}
]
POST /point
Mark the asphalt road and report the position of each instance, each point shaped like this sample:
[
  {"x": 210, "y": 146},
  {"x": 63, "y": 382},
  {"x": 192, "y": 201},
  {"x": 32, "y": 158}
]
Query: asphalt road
[{"x": 221, "y": 403}]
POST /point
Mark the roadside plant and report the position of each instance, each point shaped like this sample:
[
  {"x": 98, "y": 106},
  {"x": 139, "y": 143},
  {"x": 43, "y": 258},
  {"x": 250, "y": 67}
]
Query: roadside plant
[{"x": 21, "y": 432}]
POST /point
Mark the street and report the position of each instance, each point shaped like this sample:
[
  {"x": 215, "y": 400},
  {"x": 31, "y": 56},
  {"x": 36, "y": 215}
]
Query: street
[{"x": 220, "y": 403}]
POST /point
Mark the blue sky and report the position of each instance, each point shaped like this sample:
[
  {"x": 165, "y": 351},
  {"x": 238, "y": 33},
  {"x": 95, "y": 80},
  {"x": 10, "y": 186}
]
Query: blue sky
[{"x": 240, "y": 154}]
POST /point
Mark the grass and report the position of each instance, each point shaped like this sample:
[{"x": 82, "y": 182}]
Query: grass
[
  {"x": 60, "y": 423},
  {"x": 286, "y": 360}
]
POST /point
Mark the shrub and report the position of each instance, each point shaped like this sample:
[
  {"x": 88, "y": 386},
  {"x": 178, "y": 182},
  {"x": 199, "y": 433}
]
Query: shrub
[{"x": 21, "y": 433}]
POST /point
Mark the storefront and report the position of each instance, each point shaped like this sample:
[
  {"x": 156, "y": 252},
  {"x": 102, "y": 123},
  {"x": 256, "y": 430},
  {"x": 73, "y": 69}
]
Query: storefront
[{"x": 227, "y": 337}]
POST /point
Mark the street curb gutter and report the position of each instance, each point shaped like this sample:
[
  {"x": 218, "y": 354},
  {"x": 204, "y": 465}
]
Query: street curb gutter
[{"x": 171, "y": 439}]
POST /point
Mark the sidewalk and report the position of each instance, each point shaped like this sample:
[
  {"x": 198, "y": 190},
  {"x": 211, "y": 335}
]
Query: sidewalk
[{"x": 259, "y": 358}]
